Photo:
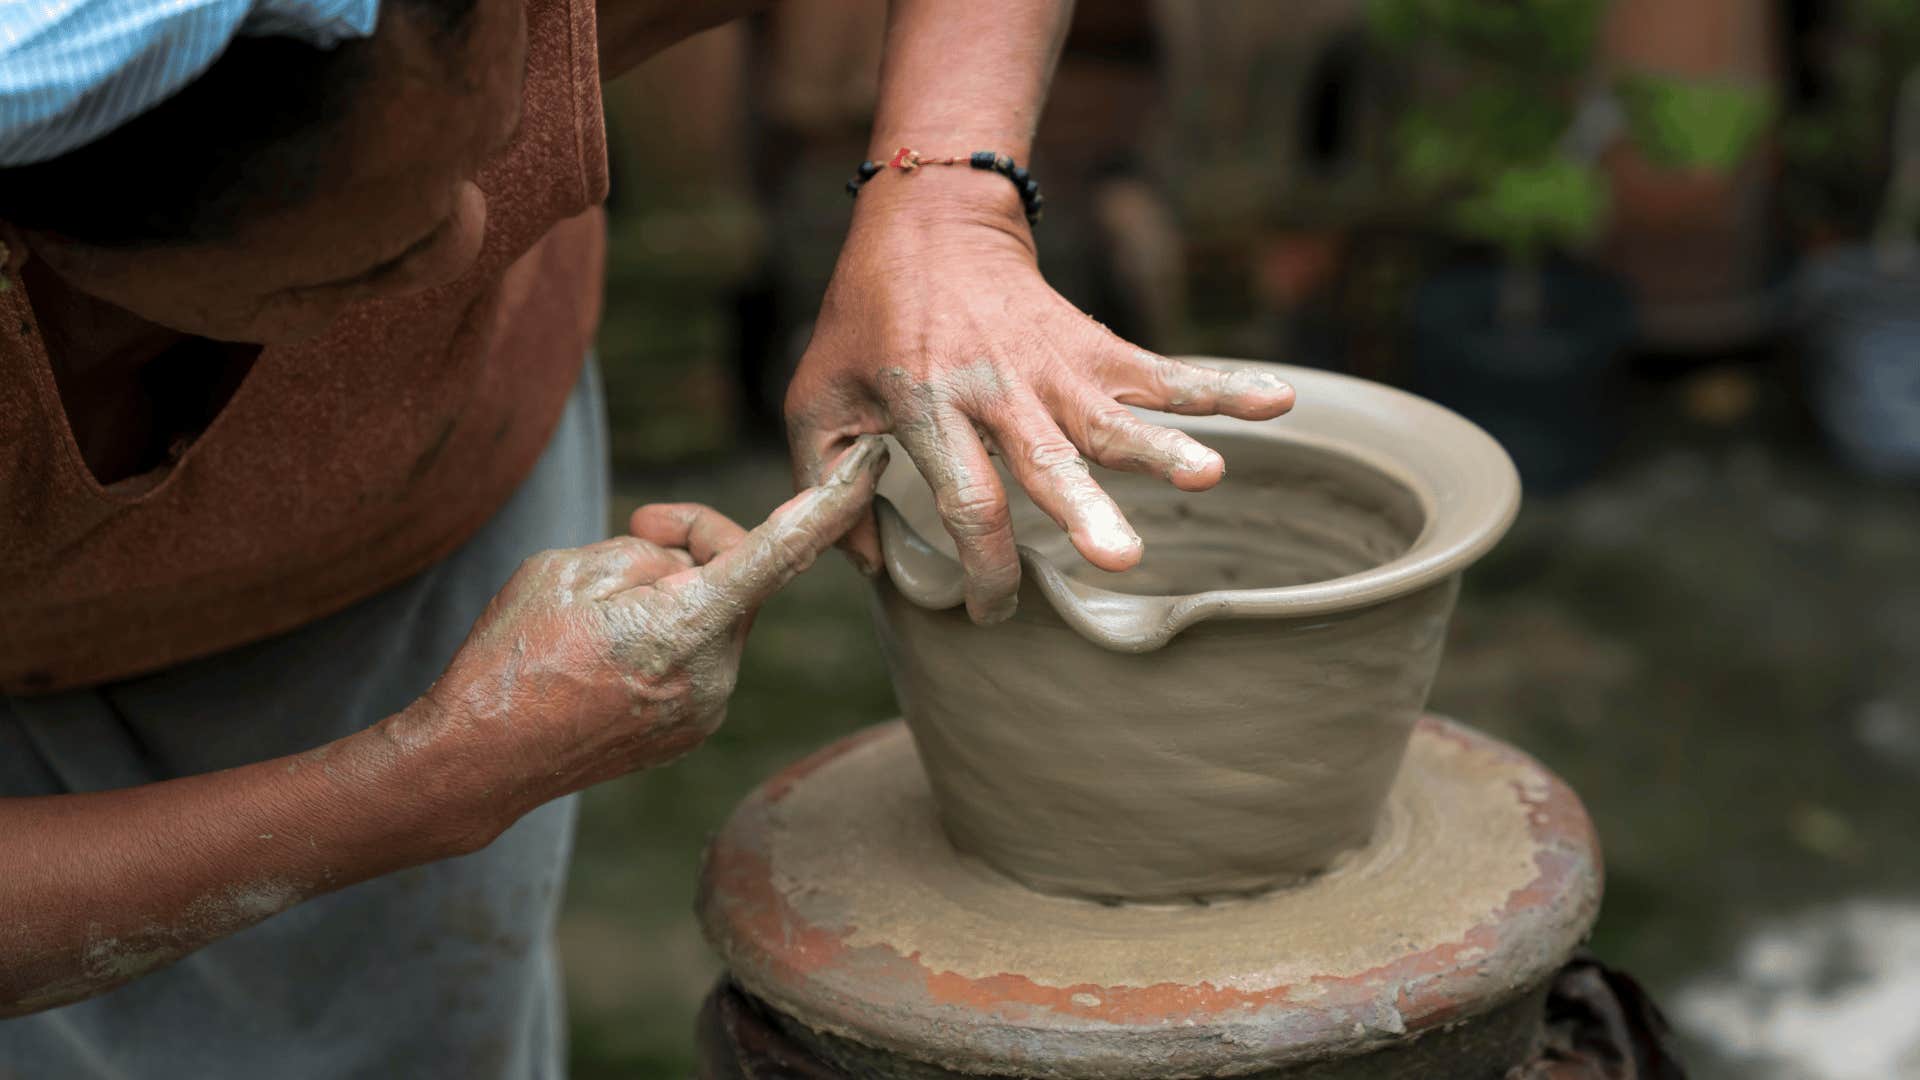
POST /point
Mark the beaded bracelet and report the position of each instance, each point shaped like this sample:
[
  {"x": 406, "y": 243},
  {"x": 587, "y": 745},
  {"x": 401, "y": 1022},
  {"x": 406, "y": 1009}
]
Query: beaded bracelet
[{"x": 907, "y": 160}]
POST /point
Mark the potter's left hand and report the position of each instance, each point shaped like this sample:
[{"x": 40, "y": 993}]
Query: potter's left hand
[{"x": 938, "y": 327}]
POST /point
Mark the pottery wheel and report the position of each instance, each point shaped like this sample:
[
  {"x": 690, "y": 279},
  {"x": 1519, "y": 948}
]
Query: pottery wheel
[{"x": 834, "y": 897}]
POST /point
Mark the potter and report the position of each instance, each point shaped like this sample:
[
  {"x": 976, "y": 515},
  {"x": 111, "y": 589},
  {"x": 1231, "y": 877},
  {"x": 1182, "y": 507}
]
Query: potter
[
  {"x": 1228, "y": 716},
  {"x": 304, "y": 571}
]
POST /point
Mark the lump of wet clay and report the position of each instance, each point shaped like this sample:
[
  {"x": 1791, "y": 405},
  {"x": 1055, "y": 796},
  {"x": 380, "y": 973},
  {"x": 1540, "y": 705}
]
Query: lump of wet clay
[{"x": 1228, "y": 716}]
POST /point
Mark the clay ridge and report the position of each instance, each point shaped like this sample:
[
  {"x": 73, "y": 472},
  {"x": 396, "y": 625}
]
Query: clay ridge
[{"x": 1465, "y": 484}]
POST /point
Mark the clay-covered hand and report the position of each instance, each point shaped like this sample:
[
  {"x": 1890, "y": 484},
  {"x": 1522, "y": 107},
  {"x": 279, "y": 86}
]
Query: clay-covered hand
[
  {"x": 593, "y": 662},
  {"x": 938, "y": 327}
]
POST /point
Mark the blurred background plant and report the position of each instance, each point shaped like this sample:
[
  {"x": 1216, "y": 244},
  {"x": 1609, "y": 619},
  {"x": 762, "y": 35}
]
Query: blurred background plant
[
  {"x": 1505, "y": 118},
  {"x": 1487, "y": 140},
  {"x": 1684, "y": 125},
  {"x": 1504, "y": 135},
  {"x": 1708, "y": 615}
]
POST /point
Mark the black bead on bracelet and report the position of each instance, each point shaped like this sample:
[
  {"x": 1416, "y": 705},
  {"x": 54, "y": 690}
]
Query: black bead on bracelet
[{"x": 907, "y": 160}]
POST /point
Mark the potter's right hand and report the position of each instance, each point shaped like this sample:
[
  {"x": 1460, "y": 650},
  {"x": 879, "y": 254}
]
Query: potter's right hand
[{"x": 597, "y": 661}]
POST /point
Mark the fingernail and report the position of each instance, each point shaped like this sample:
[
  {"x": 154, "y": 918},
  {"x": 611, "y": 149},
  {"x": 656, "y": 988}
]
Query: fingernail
[
  {"x": 861, "y": 563},
  {"x": 867, "y": 452},
  {"x": 998, "y": 611},
  {"x": 1255, "y": 381},
  {"x": 1108, "y": 530},
  {"x": 1197, "y": 458}
]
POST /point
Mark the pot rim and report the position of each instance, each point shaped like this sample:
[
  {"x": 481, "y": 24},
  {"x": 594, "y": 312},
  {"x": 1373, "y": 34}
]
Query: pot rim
[{"x": 1466, "y": 487}]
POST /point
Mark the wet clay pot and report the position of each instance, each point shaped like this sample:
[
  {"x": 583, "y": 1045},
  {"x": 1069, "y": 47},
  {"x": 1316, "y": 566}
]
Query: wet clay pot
[{"x": 1229, "y": 715}]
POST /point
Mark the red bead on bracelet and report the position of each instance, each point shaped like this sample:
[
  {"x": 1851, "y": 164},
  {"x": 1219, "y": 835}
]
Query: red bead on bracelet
[{"x": 907, "y": 159}]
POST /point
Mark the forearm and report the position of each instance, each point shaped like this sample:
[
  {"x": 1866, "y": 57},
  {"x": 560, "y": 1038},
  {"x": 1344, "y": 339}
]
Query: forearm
[
  {"x": 590, "y": 663},
  {"x": 100, "y": 888},
  {"x": 959, "y": 75}
]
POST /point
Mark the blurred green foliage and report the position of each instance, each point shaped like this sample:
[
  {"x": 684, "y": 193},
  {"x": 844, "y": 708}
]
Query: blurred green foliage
[
  {"x": 1557, "y": 202},
  {"x": 1499, "y": 89},
  {"x": 1683, "y": 124},
  {"x": 1549, "y": 37},
  {"x": 1487, "y": 150}
]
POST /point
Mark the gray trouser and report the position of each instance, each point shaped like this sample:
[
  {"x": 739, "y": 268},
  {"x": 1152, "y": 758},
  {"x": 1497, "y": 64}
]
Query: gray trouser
[{"x": 445, "y": 970}]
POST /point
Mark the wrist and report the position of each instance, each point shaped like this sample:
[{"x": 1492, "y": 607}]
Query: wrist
[
  {"x": 931, "y": 137},
  {"x": 935, "y": 197},
  {"x": 434, "y": 779}
]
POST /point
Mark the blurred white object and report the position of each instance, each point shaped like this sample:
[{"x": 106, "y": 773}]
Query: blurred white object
[{"x": 1830, "y": 995}]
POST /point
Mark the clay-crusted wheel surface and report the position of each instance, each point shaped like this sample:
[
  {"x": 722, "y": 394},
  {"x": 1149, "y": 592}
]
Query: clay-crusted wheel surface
[{"x": 833, "y": 896}]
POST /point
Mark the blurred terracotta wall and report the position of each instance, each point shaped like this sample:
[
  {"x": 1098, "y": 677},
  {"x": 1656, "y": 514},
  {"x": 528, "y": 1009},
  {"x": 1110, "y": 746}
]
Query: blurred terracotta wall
[{"x": 1697, "y": 248}]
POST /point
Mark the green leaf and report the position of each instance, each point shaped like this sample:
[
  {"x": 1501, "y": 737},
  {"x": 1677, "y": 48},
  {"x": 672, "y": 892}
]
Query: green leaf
[
  {"x": 1682, "y": 124},
  {"x": 1555, "y": 203},
  {"x": 1473, "y": 136},
  {"x": 1551, "y": 38}
]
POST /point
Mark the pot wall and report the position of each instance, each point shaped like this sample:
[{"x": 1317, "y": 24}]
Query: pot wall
[
  {"x": 1244, "y": 754},
  {"x": 1228, "y": 715}
]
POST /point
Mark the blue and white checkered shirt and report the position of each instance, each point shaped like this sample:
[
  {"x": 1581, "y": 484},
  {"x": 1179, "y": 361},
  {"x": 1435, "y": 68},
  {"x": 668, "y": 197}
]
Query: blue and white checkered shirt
[{"x": 73, "y": 70}]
